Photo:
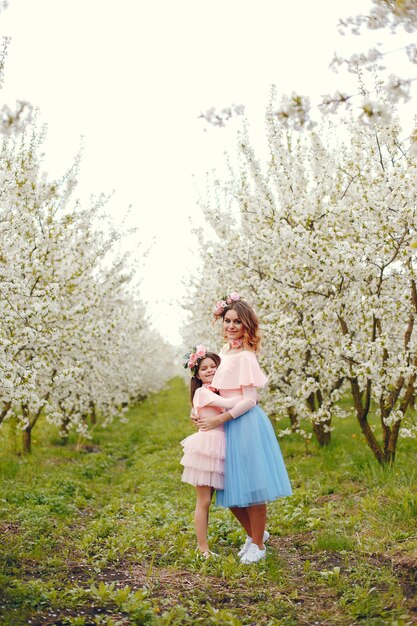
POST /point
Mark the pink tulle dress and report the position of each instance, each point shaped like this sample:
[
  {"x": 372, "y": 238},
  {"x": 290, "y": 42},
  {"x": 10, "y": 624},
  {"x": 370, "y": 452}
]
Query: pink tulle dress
[{"x": 204, "y": 452}]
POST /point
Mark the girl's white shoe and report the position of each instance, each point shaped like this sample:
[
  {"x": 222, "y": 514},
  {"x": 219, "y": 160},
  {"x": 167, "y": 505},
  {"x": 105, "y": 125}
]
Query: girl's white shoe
[
  {"x": 253, "y": 554},
  {"x": 207, "y": 554},
  {"x": 248, "y": 542}
]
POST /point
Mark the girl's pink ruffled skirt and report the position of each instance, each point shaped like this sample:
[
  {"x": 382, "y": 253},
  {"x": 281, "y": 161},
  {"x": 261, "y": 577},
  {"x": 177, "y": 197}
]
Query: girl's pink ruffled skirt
[{"x": 203, "y": 458}]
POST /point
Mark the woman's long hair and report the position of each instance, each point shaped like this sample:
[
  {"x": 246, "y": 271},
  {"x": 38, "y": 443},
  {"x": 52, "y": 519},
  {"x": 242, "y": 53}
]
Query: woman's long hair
[
  {"x": 251, "y": 336},
  {"x": 195, "y": 382}
]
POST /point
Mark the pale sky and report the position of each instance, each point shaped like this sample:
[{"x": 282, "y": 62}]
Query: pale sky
[{"x": 132, "y": 76}]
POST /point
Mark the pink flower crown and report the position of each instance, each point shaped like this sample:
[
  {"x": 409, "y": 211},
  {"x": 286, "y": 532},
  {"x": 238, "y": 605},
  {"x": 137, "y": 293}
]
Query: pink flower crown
[
  {"x": 227, "y": 300},
  {"x": 192, "y": 359}
]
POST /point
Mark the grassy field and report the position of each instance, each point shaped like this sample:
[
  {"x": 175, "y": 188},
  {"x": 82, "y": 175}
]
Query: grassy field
[{"x": 104, "y": 535}]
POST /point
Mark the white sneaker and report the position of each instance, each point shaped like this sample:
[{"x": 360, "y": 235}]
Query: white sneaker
[
  {"x": 245, "y": 546},
  {"x": 253, "y": 554},
  {"x": 248, "y": 542}
]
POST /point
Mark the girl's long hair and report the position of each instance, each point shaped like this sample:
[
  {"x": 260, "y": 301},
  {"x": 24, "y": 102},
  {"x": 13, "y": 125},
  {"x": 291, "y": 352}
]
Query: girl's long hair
[
  {"x": 195, "y": 382},
  {"x": 251, "y": 336}
]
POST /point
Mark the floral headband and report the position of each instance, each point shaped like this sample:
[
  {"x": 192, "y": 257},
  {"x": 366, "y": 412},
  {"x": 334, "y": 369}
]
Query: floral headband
[
  {"x": 192, "y": 359},
  {"x": 227, "y": 300}
]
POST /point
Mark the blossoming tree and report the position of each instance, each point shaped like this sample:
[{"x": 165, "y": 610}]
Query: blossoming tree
[
  {"x": 75, "y": 343},
  {"x": 319, "y": 239}
]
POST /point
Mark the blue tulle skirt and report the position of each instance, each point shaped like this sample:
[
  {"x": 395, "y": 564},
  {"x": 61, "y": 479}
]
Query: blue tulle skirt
[{"x": 254, "y": 470}]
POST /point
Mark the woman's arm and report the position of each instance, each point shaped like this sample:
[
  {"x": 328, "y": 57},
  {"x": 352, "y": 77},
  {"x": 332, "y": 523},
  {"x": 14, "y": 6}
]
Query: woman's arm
[
  {"x": 248, "y": 401},
  {"x": 224, "y": 403},
  {"x": 215, "y": 400}
]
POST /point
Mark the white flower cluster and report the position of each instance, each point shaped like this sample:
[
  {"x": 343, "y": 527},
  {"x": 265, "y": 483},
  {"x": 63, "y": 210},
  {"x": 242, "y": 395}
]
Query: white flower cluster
[
  {"x": 3, "y": 54},
  {"x": 321, "y": 243},
  {"x": 358, "y": 59},
  {"x": 75, "y": 345},
  {"x": 15, "y": 121},
  {"x": 294, "y": 112},
  {"x": 375, "y": 111},
  {"x": 219, "y": 118},
  {"x": 384, "y": 14},
  {"x": 411, "y": 50}
]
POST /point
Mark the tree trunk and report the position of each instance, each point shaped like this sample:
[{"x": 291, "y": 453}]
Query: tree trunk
[
  {"x": 321, "y": 429},
  {"x": 27, "y": 433},
  {"x": 392, "y": 443},
  {"x": 322, "y": 432},
  {"x": 292, "y": 414},
  {"x": 371, "y": 440},
  {"x": 362, "y": 403},
  {"x": 5, "y": 410},
  {"x": 93, "y": 415},
  {"x": 64, "y": 432},
  {"x": 27, "y": 440}
]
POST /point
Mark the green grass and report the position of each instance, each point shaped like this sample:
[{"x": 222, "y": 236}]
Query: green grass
[{"x": 104, "y": 535}]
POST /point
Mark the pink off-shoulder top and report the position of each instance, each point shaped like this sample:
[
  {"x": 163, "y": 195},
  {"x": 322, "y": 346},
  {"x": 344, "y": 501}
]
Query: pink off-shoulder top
[{"x": 239, "y": 374}]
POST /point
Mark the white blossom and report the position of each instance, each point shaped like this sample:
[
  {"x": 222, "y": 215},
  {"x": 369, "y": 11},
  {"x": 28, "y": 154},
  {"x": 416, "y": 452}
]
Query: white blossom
[{"x": 219, "y": 118}]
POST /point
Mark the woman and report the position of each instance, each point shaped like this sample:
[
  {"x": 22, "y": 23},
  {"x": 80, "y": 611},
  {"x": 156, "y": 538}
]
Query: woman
[{"x": 255, "y": 472}]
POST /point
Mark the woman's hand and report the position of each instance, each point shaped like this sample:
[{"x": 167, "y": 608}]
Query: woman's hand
[
  {"x": 208, "y": 423},
  {"x": 203, "y": 422},
  {"x": 194, "y": 418}
]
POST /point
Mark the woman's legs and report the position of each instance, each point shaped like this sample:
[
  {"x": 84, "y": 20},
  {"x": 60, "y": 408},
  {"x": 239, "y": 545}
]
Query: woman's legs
[
  {"x": 204, "y": 495},
  {"x": 257, "y": 520},
  {"x": 253, "y": 520},
  {"x": 242, "y": 516}
]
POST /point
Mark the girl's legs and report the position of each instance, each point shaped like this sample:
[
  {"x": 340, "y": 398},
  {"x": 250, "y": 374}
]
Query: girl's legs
[
  {"x": 204, "y": 495},
  {"x": 257, "y": 520}
]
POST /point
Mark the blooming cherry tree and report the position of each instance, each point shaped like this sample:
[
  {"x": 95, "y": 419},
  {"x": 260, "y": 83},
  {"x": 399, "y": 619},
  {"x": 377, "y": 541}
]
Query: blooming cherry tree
[
  {"x": 320, "y": 239},
  {"x": 75, "y": 344}
]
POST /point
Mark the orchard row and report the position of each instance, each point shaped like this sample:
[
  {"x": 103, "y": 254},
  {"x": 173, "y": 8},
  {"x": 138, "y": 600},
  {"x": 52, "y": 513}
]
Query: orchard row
[{"x": 76, "y": 345}]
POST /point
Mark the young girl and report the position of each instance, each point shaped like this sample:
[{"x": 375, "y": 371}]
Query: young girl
[
  {"x": 204, "y": 452},
  {"x": 255, "y": 472}
]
